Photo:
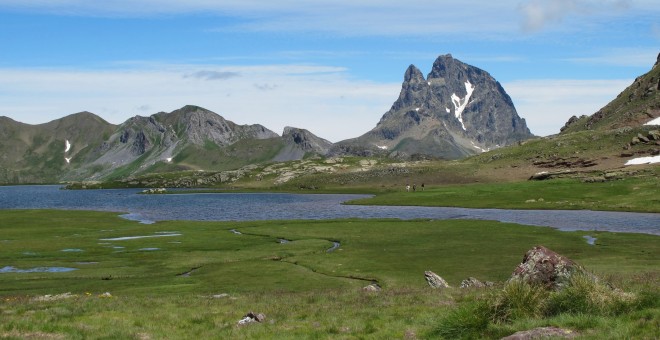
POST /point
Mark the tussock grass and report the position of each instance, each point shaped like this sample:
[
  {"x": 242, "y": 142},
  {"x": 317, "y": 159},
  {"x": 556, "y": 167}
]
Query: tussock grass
[
  {"x": 584, "y": 305},
  {"x": 516, "y": 300}
]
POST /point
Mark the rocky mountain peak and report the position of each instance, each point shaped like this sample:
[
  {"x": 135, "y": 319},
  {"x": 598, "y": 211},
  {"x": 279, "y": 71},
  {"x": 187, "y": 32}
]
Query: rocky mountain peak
[
  {"x": 413, "y": 74},
  {"x": 457, "y": 110}
]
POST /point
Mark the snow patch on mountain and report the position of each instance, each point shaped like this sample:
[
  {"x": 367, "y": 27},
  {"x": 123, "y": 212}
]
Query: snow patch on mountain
[
  {"x": 655, "y": 121},
  {"x": 460, "y": 104},
  {"x": 643, "y": 160},
  {"x": 478, "y": 147},
  {"x": 67, "y": 147}
]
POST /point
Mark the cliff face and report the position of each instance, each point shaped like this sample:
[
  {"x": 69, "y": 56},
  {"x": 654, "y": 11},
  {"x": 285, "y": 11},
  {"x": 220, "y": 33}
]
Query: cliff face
[
  {"x": 457, "y": 110},
  {"x": 300, "y": 143}
]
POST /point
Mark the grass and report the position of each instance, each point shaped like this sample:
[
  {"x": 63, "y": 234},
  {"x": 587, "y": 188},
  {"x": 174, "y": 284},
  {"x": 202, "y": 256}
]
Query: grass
[
  {"x": 581, "y": 305},
  {"x": 305, "y": 291},
  {"x": 629, "y": 194}
]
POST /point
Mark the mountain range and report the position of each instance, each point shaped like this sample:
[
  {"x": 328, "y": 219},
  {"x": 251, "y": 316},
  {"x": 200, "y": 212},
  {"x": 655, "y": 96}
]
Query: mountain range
[{"x": 455, "y": 111}]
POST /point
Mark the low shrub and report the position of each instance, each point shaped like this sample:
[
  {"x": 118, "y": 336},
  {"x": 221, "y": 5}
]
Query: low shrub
[
  {"x": 517, "y": 300},
  {"x": 468, "y": 321},
  {"x": 587, "y": 295}
]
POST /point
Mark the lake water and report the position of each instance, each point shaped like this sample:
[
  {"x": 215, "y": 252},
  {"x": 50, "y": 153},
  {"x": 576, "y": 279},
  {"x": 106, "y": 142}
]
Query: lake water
[{"x": 274, "y": 206}]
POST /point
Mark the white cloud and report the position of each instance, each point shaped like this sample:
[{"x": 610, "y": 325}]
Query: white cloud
[
  {"x": 461, "y": 20},
  {"x": 322, "y": 99},
  {"x": 368, "y": 17},
  {"x": 627, "y": 57},
  {"x": 546, "y": 105},
  {"x": 540, "y": 14}
]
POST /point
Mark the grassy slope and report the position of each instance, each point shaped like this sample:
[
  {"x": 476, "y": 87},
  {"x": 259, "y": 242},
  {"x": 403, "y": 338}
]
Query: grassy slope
[
  {"x": 630, "y": 194},
  {"x": 288, "y": 282}
]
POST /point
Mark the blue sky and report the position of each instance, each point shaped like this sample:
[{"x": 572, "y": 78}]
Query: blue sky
[{"x": 331, "y": 66}]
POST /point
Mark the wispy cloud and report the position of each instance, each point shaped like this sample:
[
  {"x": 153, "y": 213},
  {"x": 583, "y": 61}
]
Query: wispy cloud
[
  {"x": 212, "y": 75},
  {"x": 467, "y": 19},
  {"x": 547, "y": 104},
  {"x": 538, "y": 14},
  {"x": 266, "y": 87},
  {"x": 320, "y": 98},
  {"x": 345, "y": 17},
  {"x": 329, "y": 103},
  {"x": 628, "y": 57}
]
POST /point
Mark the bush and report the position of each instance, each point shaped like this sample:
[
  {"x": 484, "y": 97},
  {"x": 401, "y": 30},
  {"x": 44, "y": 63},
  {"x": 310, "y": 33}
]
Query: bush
[
  {"x": 467, "y": 321},
  {"x": 517, "y": 300},
  {"x": 586, "y": 295}
]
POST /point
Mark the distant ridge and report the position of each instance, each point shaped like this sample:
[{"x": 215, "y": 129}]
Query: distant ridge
[{"x": 83, "y": 146}]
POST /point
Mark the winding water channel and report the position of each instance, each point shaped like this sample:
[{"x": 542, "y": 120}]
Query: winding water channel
[{"x": 275, "y": 206}]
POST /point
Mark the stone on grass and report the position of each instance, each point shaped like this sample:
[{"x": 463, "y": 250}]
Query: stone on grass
[
  {"x": 434, "y": 280},
  {"x": 542, "y": 333},
  {"x": 374, "y": 287},
  {"x": 544, "y": 267},
  {"x": 252, "y": 317},
  {"x": 49, "y": 297},
  {"x": 472, "y": 282}
]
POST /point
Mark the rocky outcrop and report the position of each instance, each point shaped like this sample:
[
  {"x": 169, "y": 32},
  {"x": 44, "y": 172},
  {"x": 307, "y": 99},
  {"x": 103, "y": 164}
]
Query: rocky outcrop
[
  {"x": 434, "y": 280},
  {"x": 199, "y": 126},
  {"x": 299, "y": 143},
  {"x": 542, "y": 266},
  {"x": 457, "y": 110}
]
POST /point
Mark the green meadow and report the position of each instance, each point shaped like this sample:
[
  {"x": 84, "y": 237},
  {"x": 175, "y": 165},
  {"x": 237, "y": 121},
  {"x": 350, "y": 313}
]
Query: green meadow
[
  {"x": 183, "y": 279},
  {"x": 629, "y": 194}
]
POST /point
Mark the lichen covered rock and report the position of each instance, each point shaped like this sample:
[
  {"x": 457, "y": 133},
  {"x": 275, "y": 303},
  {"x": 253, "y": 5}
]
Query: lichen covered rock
[
  {"x": 545, "y": 267},
  {"x": 434, "y": 280}
]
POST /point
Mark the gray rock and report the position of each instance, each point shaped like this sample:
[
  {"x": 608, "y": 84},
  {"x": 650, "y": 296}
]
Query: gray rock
[
  {"x": 374, "y": 287},
  {"x": 543, "y": 266},
  {"x": 542, "y": 333},
  {"x": 434, "y": 280},
  {"x": 472, "y": 282}
]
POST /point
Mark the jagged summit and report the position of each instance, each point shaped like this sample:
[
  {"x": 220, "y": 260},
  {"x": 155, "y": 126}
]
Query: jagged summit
[{"x": 457, "y": 110}]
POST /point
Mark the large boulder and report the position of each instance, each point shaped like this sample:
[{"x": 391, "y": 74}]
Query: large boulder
[
  {"x": 434, "y": 280},
  {"x": 545, "y": 267}
]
